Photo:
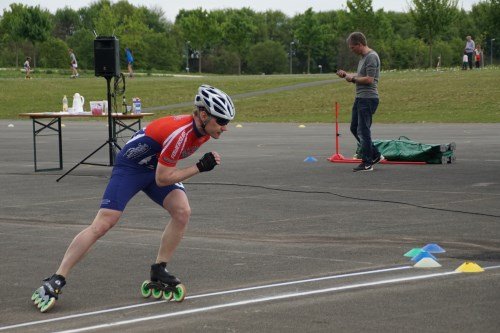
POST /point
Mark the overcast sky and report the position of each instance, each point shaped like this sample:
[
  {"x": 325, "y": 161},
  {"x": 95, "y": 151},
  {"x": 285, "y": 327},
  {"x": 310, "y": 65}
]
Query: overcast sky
[{"x": 289, "y": 7}]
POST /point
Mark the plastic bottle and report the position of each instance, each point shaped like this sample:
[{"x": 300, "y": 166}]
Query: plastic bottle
[
  {"x": 65, "y": 104},
  {"x": 124, "y": 105},
  {"x": 136, "y": 105}
]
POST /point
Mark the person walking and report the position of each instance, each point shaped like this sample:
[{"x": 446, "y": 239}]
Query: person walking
[
  {"x": 469, "y": 49},
  {"x": 27, "y": 68},
  {"x": 148, "y": 163},
  {"x": 367, "y": 98},
  {"x": 130, "y": 61},
  {"x": 74, "y": 64}
]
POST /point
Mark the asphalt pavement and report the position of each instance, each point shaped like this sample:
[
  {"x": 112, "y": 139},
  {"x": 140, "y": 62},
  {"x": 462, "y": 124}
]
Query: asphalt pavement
[{"x": 275, "y": 244}]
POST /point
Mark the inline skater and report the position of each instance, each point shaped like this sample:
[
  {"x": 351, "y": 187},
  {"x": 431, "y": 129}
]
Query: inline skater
[{"x": 148, "y": 163}]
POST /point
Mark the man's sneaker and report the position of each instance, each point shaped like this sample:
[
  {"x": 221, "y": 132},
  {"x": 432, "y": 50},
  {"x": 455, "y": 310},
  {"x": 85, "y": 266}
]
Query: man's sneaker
[
  {"x": 363, "y": 167},
  {"x": 378, "y": 159}
]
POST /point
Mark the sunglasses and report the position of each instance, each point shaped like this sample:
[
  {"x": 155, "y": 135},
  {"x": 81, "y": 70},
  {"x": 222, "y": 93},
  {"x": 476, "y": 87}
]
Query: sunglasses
[{"x": 221, "y": 121}]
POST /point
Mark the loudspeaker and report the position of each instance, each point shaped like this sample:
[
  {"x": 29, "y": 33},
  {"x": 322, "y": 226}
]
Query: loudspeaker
[{"x": 107, "y": 56}]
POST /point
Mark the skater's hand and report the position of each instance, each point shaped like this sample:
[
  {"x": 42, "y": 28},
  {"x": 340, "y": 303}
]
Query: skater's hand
[{"x": 208, "y": 161}]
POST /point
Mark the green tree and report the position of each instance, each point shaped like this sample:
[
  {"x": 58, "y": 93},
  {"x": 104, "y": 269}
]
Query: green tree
[
  {"x": 362, "y": 17},
  {"x": 199, "y": 29},
  {"x": 486, "y": 17},
  {"x": 82, "y": 43},
  {"x": 35, "y": 26},
  {"x": 66, "y": 22},
  {"x": 106, "y": 21},
  {"x": 310, "y": 34},
  {"x": 277, "y": 26},
  {"x": 132, "y": 33},
  {"x": 160, "y": 52},
  {"x": 267, "y": 57},
  {"x": 238, "y": 32},
  {"x": 11, "y": 24},
  {"x": 53, "y": 53},
  {"x": 431, "y": 18}
]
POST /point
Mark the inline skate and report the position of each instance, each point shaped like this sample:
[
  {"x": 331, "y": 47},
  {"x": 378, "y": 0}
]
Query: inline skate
[
  {"x": 162, "y": 283},
  {"x": 46, "y": 296}
]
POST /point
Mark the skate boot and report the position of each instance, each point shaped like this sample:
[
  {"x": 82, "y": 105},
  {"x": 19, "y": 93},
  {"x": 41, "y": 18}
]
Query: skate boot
[
  {"x": 45, "y": 297},
  {"x": 164, "y": 284}
]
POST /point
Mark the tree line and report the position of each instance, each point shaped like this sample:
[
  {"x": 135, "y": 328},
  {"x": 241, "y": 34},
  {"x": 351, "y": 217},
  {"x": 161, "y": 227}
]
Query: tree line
[{"x": 236, "y": 41}]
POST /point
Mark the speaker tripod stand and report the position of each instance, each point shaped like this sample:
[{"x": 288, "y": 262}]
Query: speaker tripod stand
[{"x": 111, "y": 143}]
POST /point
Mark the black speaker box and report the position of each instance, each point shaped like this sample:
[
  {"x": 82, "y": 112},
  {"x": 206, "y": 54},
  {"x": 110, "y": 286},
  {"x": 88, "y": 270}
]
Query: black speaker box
[{"x": 107, "y": 56}]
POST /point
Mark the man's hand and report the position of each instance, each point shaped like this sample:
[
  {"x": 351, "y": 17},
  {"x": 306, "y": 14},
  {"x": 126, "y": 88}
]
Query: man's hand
[
  {"x": 341, "y": 73},
  {"x": 208, "y": 161}
]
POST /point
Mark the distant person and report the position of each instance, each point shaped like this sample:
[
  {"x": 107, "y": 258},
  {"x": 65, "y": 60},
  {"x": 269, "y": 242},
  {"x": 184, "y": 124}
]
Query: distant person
[
  {"x": 148, "y": 163},
  {"x": 74, "y": 64},
  {"x": 477, "y": 56},
  {"x": 469, "y": 49},
  {"x": 130, "y": 61},
  {"x": 27, "y": 68},
  {"x": 367, "y": 98},
  {"x": 438, "y": 66},
  {"x": 465, "y": 61}
]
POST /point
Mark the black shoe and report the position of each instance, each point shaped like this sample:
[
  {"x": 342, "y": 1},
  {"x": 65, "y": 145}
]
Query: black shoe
[
  {"x": 378, "y": 159},
  {"x": 363, "y": 167}
]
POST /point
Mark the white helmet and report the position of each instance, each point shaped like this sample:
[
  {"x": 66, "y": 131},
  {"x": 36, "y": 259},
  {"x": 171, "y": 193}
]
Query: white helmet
[{"x": 215, "y": 101}]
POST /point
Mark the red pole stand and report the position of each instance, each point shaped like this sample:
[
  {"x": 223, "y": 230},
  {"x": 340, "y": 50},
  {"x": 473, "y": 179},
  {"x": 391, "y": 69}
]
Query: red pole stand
[{"x": 338, "y": 158}]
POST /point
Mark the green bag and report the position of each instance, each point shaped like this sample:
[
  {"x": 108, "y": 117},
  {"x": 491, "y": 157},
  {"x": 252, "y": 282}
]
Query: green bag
[{"x": 404, "y": 149}]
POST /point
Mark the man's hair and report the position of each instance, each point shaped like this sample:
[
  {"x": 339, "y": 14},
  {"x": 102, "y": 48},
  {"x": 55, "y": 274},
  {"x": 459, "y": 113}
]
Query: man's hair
[
  {"x": 356, "y": 38},
  {"x": 198, "y": 109}
]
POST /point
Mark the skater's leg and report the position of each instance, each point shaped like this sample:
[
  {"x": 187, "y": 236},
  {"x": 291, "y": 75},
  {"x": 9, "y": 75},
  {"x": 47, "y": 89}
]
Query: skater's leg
[
  {"x": 177, "y": 204},
  {"x": 81, "y": 244}
]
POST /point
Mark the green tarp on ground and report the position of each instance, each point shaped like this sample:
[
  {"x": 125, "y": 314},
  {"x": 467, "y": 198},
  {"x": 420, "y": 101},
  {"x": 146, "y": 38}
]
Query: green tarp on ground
[{"x": 404, "y": 149}]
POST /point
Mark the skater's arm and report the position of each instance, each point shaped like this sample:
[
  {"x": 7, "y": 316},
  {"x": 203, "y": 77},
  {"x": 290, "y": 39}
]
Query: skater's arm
[
  {"x": 166, "y": 175},
  {"x": 170, "y": 175}
]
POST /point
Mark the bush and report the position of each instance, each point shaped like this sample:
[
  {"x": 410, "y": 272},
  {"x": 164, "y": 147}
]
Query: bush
[
  {"x": 53, "y": 53},
  {"x": 267, "y": 57}
]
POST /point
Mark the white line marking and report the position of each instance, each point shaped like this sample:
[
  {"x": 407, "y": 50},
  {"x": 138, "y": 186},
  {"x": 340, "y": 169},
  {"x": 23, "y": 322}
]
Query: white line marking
[
  {"x": 303, "y": 281},
  {"x": 248, "y": 289},
  {"x": 260, "y": 300},
  {"x": 208, "y": 295}
]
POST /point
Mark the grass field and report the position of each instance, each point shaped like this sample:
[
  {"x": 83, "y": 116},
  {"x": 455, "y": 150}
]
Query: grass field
[{"x": 450, "y": 96}]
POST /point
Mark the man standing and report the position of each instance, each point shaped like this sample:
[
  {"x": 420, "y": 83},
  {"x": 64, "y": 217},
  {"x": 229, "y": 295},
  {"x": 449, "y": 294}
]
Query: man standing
[
  {"x": 366, "y": 102},
  {"x": 469, "y": 49},
  {"x": 148, "y": 163}
]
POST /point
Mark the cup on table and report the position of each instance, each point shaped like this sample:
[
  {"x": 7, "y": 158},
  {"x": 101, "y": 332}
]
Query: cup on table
[{"x": 96, "y": 107}]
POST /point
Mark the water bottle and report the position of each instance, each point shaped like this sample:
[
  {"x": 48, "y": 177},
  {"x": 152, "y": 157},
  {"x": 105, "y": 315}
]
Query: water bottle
[
  {"x": 124, "y": 105},
  {"x": 65, "y": 104},
  {"x": 136, "y": 105}
]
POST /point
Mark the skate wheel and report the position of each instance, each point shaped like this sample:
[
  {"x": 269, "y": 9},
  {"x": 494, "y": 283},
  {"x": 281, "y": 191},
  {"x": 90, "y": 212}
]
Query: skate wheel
[
  {"x": 157, "y": 293},
  {"x": 48, "y": 305},
  {"x": 167, "y": 295},
  {"x": 179, "y": 293},
  {"x": 35, "y": 295},
  {"x": 145, "y": 291}
]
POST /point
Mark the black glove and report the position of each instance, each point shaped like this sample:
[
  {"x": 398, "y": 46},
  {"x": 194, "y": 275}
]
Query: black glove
[{"x": 207, "y": 162}]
